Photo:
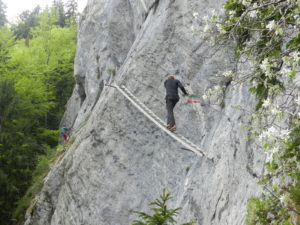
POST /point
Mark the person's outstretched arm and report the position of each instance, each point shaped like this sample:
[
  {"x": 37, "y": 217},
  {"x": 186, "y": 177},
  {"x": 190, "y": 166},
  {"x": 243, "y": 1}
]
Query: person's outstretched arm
[{"x": 182, "y": 88}]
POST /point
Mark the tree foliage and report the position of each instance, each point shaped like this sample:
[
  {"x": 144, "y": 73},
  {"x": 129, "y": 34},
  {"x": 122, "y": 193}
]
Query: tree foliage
[
  {"x": 36, "y": 79},
  {"x": 267, "y": 39},
  {"x": 62, "y": 15},
  {"x": 28, "y": 19},
  {"x": 162, "y": 215},
  {"x": 6, "y": 42},
  {"x": 67, "y": 13}
]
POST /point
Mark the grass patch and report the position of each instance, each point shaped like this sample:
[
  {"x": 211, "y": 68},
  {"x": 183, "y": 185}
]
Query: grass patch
[
  {"x": 86, "y": 119},
  {"x": 69, "y": 143},
  {"x": 111, "y": 71}
]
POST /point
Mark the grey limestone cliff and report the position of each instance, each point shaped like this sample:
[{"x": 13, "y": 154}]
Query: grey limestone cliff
[{"x": 120, "y": 160}]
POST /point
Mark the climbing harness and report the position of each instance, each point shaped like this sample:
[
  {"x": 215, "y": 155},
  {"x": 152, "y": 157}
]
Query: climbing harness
[{"x": 157, "y": 121}]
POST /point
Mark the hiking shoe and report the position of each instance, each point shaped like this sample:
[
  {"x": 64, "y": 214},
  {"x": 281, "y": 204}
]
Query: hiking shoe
[{"x": 173, "y": 128}]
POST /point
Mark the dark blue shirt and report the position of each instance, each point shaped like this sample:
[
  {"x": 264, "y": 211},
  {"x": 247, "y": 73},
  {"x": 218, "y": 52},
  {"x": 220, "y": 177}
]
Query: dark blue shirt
[{"x": 172, "y": 86}]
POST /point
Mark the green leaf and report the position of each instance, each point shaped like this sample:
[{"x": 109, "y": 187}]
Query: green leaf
[{"x": 293, "y": 74}]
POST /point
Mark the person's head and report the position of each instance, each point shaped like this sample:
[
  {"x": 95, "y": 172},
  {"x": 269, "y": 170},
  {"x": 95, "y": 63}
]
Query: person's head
[{"x": 171, "y": 76}]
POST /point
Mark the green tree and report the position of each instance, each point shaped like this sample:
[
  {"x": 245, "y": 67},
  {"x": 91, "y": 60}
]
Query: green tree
[
  {"x": 8, "y": 101},
  {"x": 71, "y": 11},
  {"x": 161, "y": 214},
  {"x": 66, "y": 12},
  {"x": 18, "y": 149},
  {"x": 48, "y": 62},
  {"x": 54, "y": 49},
  {"x": 36, "y": 79},
  {"x": 28, "y": 19},
  {"x": 6, "y": 42},
  {"x": 59, "y": 6}
]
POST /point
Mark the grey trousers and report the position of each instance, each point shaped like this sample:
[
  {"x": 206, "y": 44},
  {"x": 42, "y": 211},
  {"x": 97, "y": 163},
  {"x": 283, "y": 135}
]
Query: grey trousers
[{"x": 170, "y": 106}]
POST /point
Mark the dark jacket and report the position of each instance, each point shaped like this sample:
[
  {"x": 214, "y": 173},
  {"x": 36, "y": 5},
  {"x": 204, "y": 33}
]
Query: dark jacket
[{"x": 172, "y": 86}]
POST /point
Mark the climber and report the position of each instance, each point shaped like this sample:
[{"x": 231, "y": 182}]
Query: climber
[
  {"x": 172, "y": 97},
  {"x": 64, "y": 132}
]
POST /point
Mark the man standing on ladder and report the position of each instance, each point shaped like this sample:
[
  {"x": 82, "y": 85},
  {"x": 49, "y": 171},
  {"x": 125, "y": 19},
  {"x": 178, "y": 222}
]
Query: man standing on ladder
[{"x": 172, "y": 97}]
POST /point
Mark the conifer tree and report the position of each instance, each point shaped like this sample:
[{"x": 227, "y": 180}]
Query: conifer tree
[{"x": 161, "y": 214}]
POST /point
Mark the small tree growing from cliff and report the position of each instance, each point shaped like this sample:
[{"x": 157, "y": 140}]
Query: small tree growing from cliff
[{"x": 161, "y": 214}]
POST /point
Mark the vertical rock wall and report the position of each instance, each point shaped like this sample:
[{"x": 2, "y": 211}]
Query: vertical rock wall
[{"x": 120, "y": 161}]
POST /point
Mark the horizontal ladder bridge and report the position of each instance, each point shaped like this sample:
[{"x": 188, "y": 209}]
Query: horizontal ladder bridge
[{"x": 158, "y": 122}]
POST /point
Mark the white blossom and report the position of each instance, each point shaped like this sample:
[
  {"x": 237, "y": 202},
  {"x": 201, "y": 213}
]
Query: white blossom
[
  {"x": 228, "y": 73},
  {"x": 265, "y": 64},
  {"x": 196, "y": 15},
  {"x": 271, "y": 152},
  {"x": 207, "y": 28},
  {"x": 246, "y": 2},
  {"x": 297, "y": 100},
  {"x": 221, "y": 29},
  {"x": 270, "y": 216},
  {"x": 285, "y": 71},
  {"x": 269, "y": 157},
  {"x": 274, "y": 150},
  {"x": 282, "y": 199},
  {"x": 267, "y": 103},
  {"x": 231, "y": 13},
  {"x": 217, "y": 88},
  {"x": 275, "y": 110},
  {"x": 202, "y": 35},
  {"x": 266, "y": 67},
  {"x": 193, "y": 29},
  {"x": 271, "y": 25},
  {"x": 214, "y": 12},
  {"x": 253, "y": 13},
  {"x": 249, "y": 43},
  {"x": 206, "y": 18},
  {"x": 296, "y": 56},
  {"x": 254, "y": 83},
  {"x": 261, "y": 137},
  {"x": 205, "y": 97},
  {"x": 271, "y": 132},
  {"x": 284, "y": 134},
  {"x": 209, "y": 92}
]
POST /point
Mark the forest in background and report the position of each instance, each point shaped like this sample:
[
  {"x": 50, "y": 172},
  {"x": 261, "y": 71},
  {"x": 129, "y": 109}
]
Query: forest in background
[{"x": 36, "y": 80}]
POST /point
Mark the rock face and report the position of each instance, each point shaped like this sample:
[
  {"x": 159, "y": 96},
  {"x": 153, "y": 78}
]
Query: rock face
[{"x": 120, "y": 161}]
